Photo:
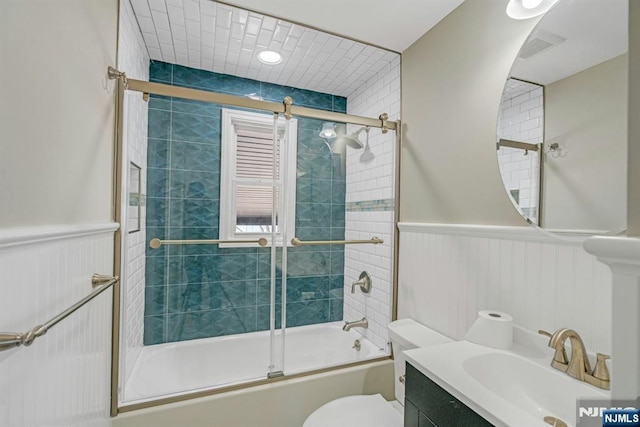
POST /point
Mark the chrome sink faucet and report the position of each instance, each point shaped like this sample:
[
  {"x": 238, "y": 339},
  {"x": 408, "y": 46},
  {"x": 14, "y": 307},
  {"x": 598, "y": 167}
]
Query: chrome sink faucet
[
  {"x": 578, "y": 365},
  {"x": 362, "y": 323}
]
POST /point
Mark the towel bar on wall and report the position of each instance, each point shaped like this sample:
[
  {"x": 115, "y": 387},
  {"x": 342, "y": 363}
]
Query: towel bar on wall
[{"x": 12, "y": 339}]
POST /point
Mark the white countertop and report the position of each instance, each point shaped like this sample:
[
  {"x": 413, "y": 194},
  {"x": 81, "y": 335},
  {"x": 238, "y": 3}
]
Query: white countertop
[{"x": 445, "y": 365}]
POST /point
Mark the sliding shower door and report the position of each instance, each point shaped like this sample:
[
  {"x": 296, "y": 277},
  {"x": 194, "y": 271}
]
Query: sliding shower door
[
  {"x": 217, "y": 206},
  {"x": 343, "y": 228},
  {"x": 251, "y": 249}
]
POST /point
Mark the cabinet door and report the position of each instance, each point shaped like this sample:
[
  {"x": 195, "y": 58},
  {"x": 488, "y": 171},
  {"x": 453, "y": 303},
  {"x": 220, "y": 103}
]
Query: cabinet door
[
  {"x": 411, "y": 414},
  {"x": 443, "y": 409},
  {"x": 425, "y": 421},
  {"x": 414, "y": 418}
]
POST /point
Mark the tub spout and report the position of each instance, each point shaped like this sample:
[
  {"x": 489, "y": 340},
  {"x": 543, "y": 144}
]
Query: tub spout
[{"x": 362, "y": 323}]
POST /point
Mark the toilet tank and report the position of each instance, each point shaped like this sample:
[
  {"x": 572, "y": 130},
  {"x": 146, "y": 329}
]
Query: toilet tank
[{"x": 406, "y": 334}]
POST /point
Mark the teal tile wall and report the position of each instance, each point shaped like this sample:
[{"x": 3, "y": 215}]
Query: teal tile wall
[{"x": 206, "y": 291}]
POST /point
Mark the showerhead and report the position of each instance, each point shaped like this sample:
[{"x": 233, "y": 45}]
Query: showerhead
[{"x": 353, "y": 139}]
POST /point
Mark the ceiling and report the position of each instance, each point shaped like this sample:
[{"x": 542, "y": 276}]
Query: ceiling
[
  {"x": 226, "y": 39},
  {"x": 593, "y": 31},
  {"x": 394, "y": 26}
]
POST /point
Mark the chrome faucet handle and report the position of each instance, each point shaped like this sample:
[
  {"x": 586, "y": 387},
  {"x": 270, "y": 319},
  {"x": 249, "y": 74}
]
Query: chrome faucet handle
[
  {"x": 364, "y": 281},
  {"x": 560, "y": 360},
  {"x": 601, "y": 371},
  {"x": 600, "y": 375}
]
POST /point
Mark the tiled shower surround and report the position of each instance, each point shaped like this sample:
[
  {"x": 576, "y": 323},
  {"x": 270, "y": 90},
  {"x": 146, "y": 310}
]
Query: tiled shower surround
[{"x": 203, "y": 291}]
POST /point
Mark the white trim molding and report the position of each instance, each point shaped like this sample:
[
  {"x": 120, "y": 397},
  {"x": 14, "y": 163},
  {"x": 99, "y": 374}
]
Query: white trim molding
[
  {"x": 21, "y": 236},
  {"x": 527, "y": 233},
  {"x": 622, "y": 255}
]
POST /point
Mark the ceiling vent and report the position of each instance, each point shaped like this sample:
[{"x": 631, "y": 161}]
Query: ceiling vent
[{"x": 539, "y": 41}]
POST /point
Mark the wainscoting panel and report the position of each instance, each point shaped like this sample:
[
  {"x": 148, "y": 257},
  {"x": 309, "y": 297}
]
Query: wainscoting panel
[
  {"x": 63, "y": 378},
  {"x": 448, "y": 273}
]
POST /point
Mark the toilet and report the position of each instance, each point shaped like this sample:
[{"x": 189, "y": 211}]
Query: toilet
[{"x": 374, "y": 410}]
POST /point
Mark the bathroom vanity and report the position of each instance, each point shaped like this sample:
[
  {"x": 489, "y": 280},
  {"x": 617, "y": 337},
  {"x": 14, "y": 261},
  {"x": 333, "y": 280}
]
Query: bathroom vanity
[
  {"x": 467, "y": 384},
  {"x": 427, "y": 404}
]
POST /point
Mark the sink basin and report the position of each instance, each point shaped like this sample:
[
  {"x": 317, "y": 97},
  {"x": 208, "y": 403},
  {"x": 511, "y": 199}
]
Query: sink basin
[
  {"x": 531, "y": 387},
  {"x": 505, "y": 387}
]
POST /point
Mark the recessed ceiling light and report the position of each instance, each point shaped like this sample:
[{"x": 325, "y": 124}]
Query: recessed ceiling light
[{"x": 269, "y": 57}]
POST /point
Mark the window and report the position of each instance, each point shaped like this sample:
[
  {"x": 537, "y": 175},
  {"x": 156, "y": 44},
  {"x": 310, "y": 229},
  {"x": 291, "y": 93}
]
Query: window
[{"x": 247, "y": 178}]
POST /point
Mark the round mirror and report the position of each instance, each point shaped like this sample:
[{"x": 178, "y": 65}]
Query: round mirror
[{"x": 562, "y": 127}]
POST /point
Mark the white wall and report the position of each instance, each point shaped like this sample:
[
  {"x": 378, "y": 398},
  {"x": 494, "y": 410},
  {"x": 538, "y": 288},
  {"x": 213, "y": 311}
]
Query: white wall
[
  {"x": 133, "y": 59},
  {"x": 63, "y": 378},
  {"x": 370, "y": 202},
  {"x": 450, "y": 272},
  {"x": 633, "y": 180},
  {"x": 452, "y": 82},
  {"x": 586, "y": 113},
  {"x": 56, "y": 110},
  {"x": 57, "y": 119}
]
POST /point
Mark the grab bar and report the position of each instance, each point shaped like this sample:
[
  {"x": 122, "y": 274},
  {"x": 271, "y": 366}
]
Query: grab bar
[
  {"x": 12, "y": 339},
  {"x": 374, "y": 241},
  {"x": 156, "y": 243}
]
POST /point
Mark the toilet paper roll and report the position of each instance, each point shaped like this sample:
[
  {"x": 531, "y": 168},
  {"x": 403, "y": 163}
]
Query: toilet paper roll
[{"x": 492, "y": 329}]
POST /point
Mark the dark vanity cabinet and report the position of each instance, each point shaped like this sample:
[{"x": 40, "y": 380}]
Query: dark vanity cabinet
[{"x": 427, "y": 404}]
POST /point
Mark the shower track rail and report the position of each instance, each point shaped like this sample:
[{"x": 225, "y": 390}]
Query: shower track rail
[
  {"x": 156, "y": 243},
  {"x": 10, "y": 340},
  {"x": 287, "y": 107},
  {"x": 373, "y": 241}
]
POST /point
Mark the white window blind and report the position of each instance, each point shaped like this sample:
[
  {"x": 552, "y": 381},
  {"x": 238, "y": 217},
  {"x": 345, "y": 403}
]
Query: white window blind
[{"x": 254, "y": 163}]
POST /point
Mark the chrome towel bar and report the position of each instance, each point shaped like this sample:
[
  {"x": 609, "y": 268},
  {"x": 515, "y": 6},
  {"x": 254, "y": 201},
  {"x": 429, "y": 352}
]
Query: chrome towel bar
[
  {"x": 12, "y": 339},
  {"x": 156, "y": 243},
  {"x": 374, "y": 241}
]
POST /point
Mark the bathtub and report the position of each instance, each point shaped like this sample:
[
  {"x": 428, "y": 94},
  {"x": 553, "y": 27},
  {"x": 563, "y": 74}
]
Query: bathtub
[{"x": 171, "y": 369}]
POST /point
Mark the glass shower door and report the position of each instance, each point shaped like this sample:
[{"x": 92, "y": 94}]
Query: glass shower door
[
  {"x": 212, "y": 304},
  {"x": 282, "y": 188},
  {"x": 335, "y": 244}
]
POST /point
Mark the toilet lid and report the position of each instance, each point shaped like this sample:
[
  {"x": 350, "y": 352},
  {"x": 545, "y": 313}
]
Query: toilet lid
[{"x": 356, "y": 411}]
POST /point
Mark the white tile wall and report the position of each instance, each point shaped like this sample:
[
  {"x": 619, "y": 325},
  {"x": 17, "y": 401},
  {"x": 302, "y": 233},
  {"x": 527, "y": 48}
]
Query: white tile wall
[
  {"x": 133, "y": 59},
  {"x": 448, "y": 273},
  {"x": 378, "y": 262},
  {"x": 521, "y": 118},
  {"x": 224, "y": 39},
  {"x": 371, "y": 176},
  {"x": 370, "y": 172},
  {"x": 63, "y": 378}
]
